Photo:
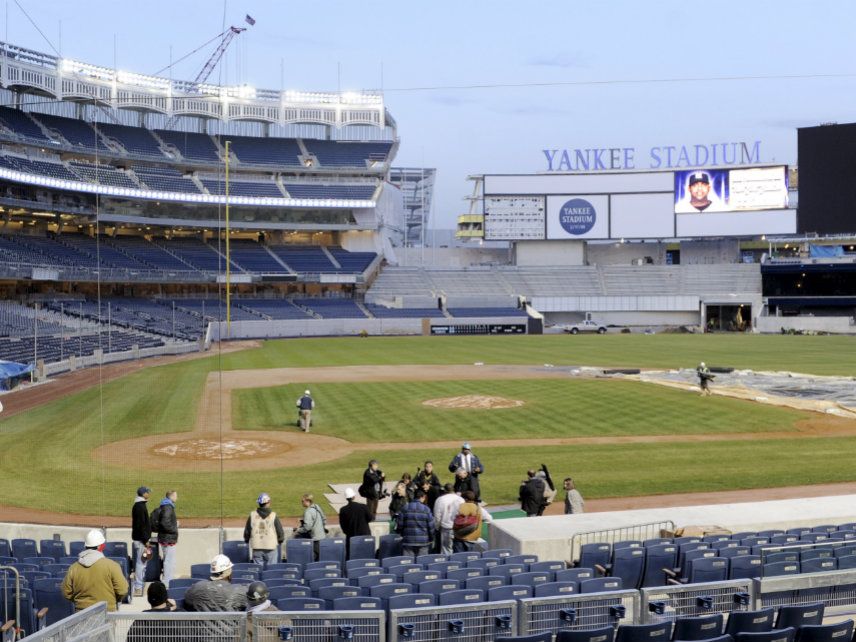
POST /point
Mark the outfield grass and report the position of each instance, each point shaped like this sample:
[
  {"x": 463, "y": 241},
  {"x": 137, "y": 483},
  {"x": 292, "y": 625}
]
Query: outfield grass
[
  {"x": 393, "y": 412},
  {"x": 46, "y": 460}
]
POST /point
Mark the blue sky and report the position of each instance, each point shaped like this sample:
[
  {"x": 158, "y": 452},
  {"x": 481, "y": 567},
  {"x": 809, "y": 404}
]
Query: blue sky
[{"x": 445, "y": 46}]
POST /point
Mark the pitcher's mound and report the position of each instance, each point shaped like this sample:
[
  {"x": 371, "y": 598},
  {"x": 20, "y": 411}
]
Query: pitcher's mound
[
  {"x": 205, "y": 449},
  {"x": 478, "y": 402}
]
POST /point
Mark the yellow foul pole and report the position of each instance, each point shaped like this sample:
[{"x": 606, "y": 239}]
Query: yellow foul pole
[{"x": 228, "y": 262}]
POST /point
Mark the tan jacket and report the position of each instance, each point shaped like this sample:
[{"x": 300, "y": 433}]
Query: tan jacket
[{"x": 92, "y": 579}]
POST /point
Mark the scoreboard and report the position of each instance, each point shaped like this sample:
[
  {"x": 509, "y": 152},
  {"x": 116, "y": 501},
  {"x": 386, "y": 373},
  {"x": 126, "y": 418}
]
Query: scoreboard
[{"x": 511, "y": 218}]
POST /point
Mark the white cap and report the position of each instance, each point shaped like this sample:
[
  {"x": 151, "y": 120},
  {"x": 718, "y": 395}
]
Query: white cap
[
  {"x": 94, "y": 539},
  {"x": 702, "y": 364},
  {"x": 349, "y": 493},
  {"x": 220, "y": 564},
  {"x": 305, "y": 392}
]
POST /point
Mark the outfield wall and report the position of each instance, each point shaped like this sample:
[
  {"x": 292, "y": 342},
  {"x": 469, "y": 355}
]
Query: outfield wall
[
  {"x": 835, "y": 325},
  {"x": 550, "y": 537}
]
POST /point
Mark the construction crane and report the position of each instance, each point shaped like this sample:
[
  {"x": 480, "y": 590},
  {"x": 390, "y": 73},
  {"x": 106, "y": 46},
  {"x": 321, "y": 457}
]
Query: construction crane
[{"x": 211, "y": 63}]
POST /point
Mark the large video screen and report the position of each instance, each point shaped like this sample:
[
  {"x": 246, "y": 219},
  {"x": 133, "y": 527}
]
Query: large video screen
[
  {"x": 511, "y": 218},
  {"x": 703, "y": 191},
  {"x": 827, "y": 171}
]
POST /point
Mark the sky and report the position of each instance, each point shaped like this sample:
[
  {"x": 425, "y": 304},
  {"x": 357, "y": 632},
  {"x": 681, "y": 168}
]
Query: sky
[{"x": 484, "y": 87}]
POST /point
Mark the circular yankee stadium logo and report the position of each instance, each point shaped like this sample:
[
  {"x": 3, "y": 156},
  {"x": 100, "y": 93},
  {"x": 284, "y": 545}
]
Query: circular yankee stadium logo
[{"x": 577, "y": 216}]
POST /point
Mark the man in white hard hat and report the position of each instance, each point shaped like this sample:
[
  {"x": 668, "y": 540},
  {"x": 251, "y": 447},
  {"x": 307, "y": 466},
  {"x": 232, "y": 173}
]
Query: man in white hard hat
[
  {"x": 93, "y": 578},
  {"x": 305, "y": 406},
  {"x": 704, "y": 377},
  {"x": 217, "y": 593},
  {"x": 354, "y": 517}
]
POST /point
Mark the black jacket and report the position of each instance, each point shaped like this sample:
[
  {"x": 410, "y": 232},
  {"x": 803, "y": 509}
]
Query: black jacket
[
  {"x": 141, "y": 529},
  {"x": 166, "y": 524},
  {"x": 372, "y": 484},
  {"x": 264, "y": 512},
  {"x": 354, "y": 519},
  {"x": 532, "y": 496}
]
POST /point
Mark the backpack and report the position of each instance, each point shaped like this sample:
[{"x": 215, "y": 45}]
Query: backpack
[
  {"x": 465, "y": 524},
  {"x": 154, "y": 519}
]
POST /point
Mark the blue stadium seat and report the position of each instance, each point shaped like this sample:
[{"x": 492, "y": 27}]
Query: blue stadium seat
[
  {"x": 332, "y": 549},
  {"x": 75, "y": 548},
  {"x": 839, "y": 632},
  {"x": 400, "y": 570},
  {"x": 326, "y": 565},
  {"x": 24, "y": 547},
  {"x": 600, "y": 584},
  {"x": 531, "y": 579},
  {"x": 30, "y": 622},
  {"x": 5, "y": 548},
  {"x": 628, "y": 564},
  {"x": 798, "y": 615},
  {"x": 553, "y": 566},
  {"x": 299, "y": 551},
  {"x": 389, "y": 546},
  {"x": 54, "y": 548},
  {"x": 486, "y": 582},
  {"x": 732, "y": 551},
  {"x": 361, "y": 547},
  {"x": 431, "y": 558},
  {"x": 411, "y": 601},
  {"x": 708, "y": 569},
  {"x": 744, "y": 567},
  {"x": 776, "y": 635},
  {"x": 780, "y": 568},
  {"x": 395, "y": 560},
  {"x": 47, "y": 593},
  {"x": 715, "y": 539},
  {"x": 324, "y": 582},
  {"x": 658, "y": 557},
  {"x": 330, "y": 593},
  {"x": 361, "y": 563},
  {"x": 656, "y": 632},
  {"x": 237, "y": 550},
  {"x": 758, "y": 621},
  {"x": 483, "y": 563},
  {"x": 435, "y": 587},
  {"x": 56, "y": 570},
  {"x": 363, "y": 603},
  {"x": 574, "y": 575},
  {"x": 781, "y": 556},
  {"x": 284, "y": 566},
  {"x": 497, "y": 553},
  {"x": 594, "y": 554},
  {"x": 846, "y": 562},
  {"x": 201, "y": 571},
  {"x": 510, "y": 592},
  {"x": 115, "y": 549},
  {"x": 506, "y": 570},
  {"x": 301, "y": 604},
  {"x": 462, "y": 596},
  {"x": 605, "y": 634},
  {"x": 526, "y": 560},
  {"x": 38, "y": 561},
  {"x": 416, "y": 578},
  {"x": 819, "y": 565},
  {"x": 463, "y": 574},
  {"x": 445, "y": 567},
  {"x": 177, "y": 592},
  {"x": 285, "y": 592},
  {"x": 370, "y": 581},
  {"x": 465, "y": 556},
  {"x": 182, "y": 582},
  {"x": 386, "y": 591},
  {"x": 703, "y": 627},
  {"x": 551, "y": 589}
]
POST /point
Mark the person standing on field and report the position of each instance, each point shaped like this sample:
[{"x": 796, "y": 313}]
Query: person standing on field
[
  {"x": 305, "y": 406},
  {"x": 574, "y": 503},
  {"x": 264, "y": 533}
]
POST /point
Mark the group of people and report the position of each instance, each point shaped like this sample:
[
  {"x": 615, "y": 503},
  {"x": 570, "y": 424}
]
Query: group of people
[{"x": 538, "y": 491}]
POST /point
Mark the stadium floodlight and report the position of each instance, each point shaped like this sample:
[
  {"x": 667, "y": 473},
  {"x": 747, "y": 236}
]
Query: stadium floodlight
[{"x": 246, "y": 91}]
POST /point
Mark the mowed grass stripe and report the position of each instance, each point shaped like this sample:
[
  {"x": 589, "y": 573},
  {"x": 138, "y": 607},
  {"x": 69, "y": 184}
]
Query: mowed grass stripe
[
  {"x": 394, "y": 412},
  {"x": 825, "y": 355}
]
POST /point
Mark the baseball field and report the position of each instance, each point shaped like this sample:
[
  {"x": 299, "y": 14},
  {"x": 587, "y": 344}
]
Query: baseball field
[{"x": 221, "y": 428}]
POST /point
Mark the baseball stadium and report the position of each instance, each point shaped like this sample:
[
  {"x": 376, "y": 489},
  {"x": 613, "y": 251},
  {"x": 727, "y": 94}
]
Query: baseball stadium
[{"x": 214, "y": 294}]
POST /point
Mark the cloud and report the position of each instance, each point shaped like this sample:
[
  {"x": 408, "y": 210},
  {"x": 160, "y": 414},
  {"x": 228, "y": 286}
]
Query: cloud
[{"x": 562, "y": 60}]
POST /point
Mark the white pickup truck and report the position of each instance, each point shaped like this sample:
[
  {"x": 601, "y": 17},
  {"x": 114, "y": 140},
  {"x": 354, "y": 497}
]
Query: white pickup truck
[{"x": 585, "y": 326}]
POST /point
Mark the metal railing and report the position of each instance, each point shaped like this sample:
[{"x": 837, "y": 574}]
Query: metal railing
[
  {"x": 836, "y": 589},
  {"x": 75, "y": 627},
  {"x": 667, "y": 603},
  {"x": 619, "y": 534},
  {"x": 170, "y": 626},
  {"x": 357, "y": 626},
  {"x": 578, "y": 611},
  {"x": 483, "y": 622}
]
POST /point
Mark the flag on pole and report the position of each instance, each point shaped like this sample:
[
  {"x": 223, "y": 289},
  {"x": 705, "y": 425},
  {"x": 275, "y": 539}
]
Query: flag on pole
[{"x": 250, "y": 20}]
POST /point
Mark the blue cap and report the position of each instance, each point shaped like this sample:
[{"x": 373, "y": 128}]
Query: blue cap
[
  {"x": 142, "y": 490},
  {"x": 466, "y": 446},
  {"x": 264, "y": 498}
]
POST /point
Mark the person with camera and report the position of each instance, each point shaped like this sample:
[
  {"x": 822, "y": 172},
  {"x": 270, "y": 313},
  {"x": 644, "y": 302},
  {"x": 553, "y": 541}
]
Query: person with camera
[
  {"x": 314, "y": 523},
  {"x": 372, "y": 487},
  {"x": 141, "y": 533}
]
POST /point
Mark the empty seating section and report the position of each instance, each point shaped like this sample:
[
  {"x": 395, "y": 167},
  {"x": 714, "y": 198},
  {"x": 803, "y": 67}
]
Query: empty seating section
[
  {"x": 78, "y": 133},
  {"x": 304, "y": 259},
  {"x": 57, "y": 253},
  {"x": 195, "y": 253},
  {"x": 20, "y": 321},
  {"x": 255, "y": 258},
  {"x": 99, "y": 250},
  {"x": 382, "y": 312},
  {"x": 148, "y": 253},
  {"x": 20, "y": 124},
  {"x": 136, "y": 140},
  {"x": 243, "y": 188},
  {"x": 332, "y": 308},
  {"x": 266, "y": 151},
  {"x": 54, "y": 348},
  {"x": 200, "y": 147},
  {"x": 487, "y": 312},
  {"x": 358, "y": 192},
  {"x": 165, "y": 179},
  {"x": 42, "y": 167},
  {"x": 103, "y": 175},
  {"x": 14, "y": 252},
  {"x": 273, "y": 308},
  {"x": 346, "y": 154},
  {"x": 353, "y": 261},
  {"x": 216, "y": 309}
]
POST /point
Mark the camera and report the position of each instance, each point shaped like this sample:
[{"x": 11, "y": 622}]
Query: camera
[{"x": 384, "y": 493}]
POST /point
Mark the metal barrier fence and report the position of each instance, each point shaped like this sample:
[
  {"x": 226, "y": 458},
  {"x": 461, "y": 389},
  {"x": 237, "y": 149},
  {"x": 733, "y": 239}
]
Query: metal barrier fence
[
  {"x": 308, "y": 626},
  {"x": 577, "y": 611},
  {"x": 837, "y": 589},
  {"x": 612, "y": 535},
  {"x": 767, "y": 549},
  {"x": 170, "y": 627},
  {"x": 482, "y": 622},
  {"x": 667, "y": 603},
  {"x": 75, "y": 627},
  {"x": 103, "y": 633}
]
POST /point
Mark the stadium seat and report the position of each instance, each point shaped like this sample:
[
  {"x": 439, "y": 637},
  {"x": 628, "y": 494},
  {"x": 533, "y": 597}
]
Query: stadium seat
[
  {"x": 510, "y": 592},
  {"x": 5, "y": 548},
  {"x": 463, "y": 574},
  {"x": 483, "y": 563},
  {"x": 389, "y": 546},
  {"x": 445, "y": 567},
  {"x": 56, "y": 570},
  {"x": 703, "y": 627},
  {"x": 553, "y": 566},
  {"x": 285, "y": 592},
  {"x": 658, "y": 558},
  {"x": 182, "y": 582},
  {"x": 759, "y": 621},
  {"x": 299, "y": 551},
  {"x": 628, "y": 564},
  {"x": 283, "y": 566},
  {"x": 301, "y": 604},
  {"x": 327, "y": 565},
  {"x": 535, "y": 637},
  {"x": 115, "y": 549},
  {"x": 357, "y": 604},
  {"x": 363, "y": 571},
  {"x": 38, "y": 561},
  {"x": 797, "y": 615},
  {"x": 417, "y": 577},
  {"x": 54, "y": 548},
  {"x": 386, "y": 591},
  {"x": 819, "y": 565},
  {"x": 552, "y": 589},
  {"x": 361, "y": 547},
  {"x": 594, "y": 554},
  {"x": 435, "y": 587},
  {"x": 576, "y": 575},
  {"x": 605, "y": 634},
  {"x": 690, "y": 539},
  {"x": 776, "y": 635},
  {"x": 713, "y": 540},
  {"x": 324, "y": 582},
  {"x": 531, "y": 579},
  {"x": 431, "y": 558},
  {"x": 816, "y": 553},
  {"x": 395, "y": 560},
  {"x": 236, "y": 550},
  {"x": 24, "y": 547},
  {"x": 466, "y": 556},
  {"x": 361, "y": 563},
  {"x": 485, "y": 582},
  {"x": 31, "y": 620},
  {"x": 47, "y": 594},
  {"x": 411, "y": 601},
  {"x": 744, "y": 567},
  {"x": 75, "y": 548},
  {"x": 369, "y": 581},
  {"x": 847, "y": 562},
  {"x": 497, "y": 553},
  {"x": 708, "y": 569},
  {"x": 400, "y": 570},
  {"x": 732, "y": 551},
  {"x": 600, "y": 585},
  {"x": 330, "y": 593},
  {"x": 201, "y": 571},
  {"x": 656, "y": 632},
  {"x": 332, "y": 549},
  {"x": 782, "y": 556},
  {"x": 838, "y": 632},
  {"x": 177, "y": 592},
  {"x": 526, "y": 560},
  {"x": 780, "y": 568},
  {"x": 462, "y": 596}
]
